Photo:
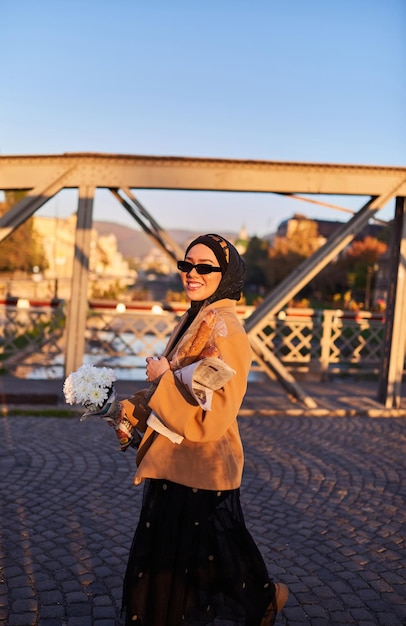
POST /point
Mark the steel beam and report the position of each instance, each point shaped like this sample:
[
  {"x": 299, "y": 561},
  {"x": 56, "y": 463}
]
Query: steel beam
[
  {"x": 27, "y": 206},
  {"x": 155, "y": 172},
  {"x": 150, "y": 226},
  {"x": 77, "y": 311},
  {"x": 394, "y": 343},
  {"x": 276, "y": 370}
]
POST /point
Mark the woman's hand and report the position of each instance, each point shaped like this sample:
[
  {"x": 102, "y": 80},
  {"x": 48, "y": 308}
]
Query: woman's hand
[{"x": 156, "y": 367}]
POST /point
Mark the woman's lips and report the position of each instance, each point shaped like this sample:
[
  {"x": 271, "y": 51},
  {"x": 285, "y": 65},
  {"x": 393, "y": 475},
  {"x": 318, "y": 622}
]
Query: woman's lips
[{"x": 193, "y": 285}]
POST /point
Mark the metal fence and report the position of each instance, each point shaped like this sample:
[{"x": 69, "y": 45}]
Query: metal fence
[
  {"x": 325, "y": 341},
  {"x": 33, "y": 338}
]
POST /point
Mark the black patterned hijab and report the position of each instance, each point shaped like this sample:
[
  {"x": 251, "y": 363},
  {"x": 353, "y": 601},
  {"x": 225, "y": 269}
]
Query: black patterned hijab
[
  {"x": 232, "y": 275},
  {"x": 232, "y": 268}
]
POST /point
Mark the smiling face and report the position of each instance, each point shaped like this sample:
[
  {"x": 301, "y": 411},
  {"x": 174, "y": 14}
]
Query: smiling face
[{"x": 198, "y": 287}]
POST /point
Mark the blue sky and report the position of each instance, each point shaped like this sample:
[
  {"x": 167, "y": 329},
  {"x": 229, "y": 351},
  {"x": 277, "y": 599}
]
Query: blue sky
[{"x": 298, "y": 80}]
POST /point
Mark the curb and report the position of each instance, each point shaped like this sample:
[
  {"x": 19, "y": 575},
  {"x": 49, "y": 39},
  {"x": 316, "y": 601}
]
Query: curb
[
  {"x": 58, "y": 410},
  {"x": 373, "y": 413}
]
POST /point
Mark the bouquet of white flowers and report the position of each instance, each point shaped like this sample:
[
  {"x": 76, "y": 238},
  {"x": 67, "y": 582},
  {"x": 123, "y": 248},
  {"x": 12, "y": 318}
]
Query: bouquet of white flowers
[
  {"x": 89, "y": 386},
  {"x": 93, "y": 388}
]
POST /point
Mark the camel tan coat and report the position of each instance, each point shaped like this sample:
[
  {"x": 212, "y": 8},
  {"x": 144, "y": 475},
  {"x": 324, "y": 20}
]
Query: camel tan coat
[{"x": 211, "y": 454}]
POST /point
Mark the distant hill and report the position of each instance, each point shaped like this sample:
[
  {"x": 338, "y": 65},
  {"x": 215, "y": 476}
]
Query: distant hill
[{"x": 133, "y": 243}]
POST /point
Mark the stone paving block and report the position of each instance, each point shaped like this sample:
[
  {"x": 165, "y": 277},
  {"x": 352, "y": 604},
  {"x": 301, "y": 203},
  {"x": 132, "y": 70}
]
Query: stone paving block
[
  {"x": 46, "y": 584},
  {"x": 24, "y": 605},
  {"x": 315, "y": 612},
  {"x": 70, "y": 585},
  {"x": 87, "y": 578},
  {"x": 53, "y": 596},
  {"x": 12, "y": 571},
  {"x": 101, "y": 601},
  {"x": 62, "y": 575},
  {"x": 22, "y": 593},
  {"x": 394, "y": 578},
  {"x": 75, "y": 596},
  {"x": 16, "y": 582},
  {"x": 54, "y": 611},
  {"x": 341, "y": 617},
  {"x": 80, "y": 609},
  {"x": 104, "y": 612},
  {"x": 96, "y": 588},
  {"x": 388, "y": 619},
  {"x": 21, "y": 619},
  {"x": 332, "y": 603}
]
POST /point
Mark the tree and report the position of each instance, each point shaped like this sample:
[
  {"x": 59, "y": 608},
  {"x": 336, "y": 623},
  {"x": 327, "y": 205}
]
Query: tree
[
  {"x": 361, "y": 258},
  {"x": 352, "y": 272},
  {"x": 257, "y": 258},
  {"x": 268, "y": 265},
  {"x": 22, "y": 250},
  {"x": 282, "y": 261},
  {"x": 366, "y": 252}
]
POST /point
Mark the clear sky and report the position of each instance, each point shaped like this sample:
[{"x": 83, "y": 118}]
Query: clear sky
[{"x": 292, "y": 80}]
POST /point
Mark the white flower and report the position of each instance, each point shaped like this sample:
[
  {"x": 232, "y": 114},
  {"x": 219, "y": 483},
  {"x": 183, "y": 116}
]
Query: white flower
[
  {"x": 96, "y": 396},
  {"x": 89, "y": 386}
]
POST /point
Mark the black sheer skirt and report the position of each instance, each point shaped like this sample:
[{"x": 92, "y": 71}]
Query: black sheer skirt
[{"x": 193, "y": 562}]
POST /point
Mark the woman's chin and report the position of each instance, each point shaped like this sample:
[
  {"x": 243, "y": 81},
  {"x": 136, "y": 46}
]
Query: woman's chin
[{"x": 195, "y": 295}]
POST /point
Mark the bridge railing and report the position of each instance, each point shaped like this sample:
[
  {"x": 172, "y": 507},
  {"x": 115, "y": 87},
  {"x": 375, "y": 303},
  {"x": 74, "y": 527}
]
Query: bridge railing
[
  {"x": 325, "y": 341},
  {"x": 118, "y": 335}
]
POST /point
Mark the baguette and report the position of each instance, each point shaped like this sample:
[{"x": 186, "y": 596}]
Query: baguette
[
  {"x": 195, "y": 345},
  {"x": 208, "y": 351}
]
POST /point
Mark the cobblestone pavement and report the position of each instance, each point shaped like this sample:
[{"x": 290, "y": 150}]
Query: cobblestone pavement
[{"x": 323, "y": 497}]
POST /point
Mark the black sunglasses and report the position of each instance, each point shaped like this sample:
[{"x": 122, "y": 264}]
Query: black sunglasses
[{"x": 201, "y": 268}]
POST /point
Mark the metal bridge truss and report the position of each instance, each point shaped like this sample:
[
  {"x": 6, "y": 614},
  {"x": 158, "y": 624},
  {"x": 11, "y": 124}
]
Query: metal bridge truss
[{"x": 45, "y": 176}]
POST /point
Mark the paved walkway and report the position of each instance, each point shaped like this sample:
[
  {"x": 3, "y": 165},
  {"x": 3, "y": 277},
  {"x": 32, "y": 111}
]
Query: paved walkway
[
  {"x": 339, "y": 397},
  {"x": 324, "y": 498}
]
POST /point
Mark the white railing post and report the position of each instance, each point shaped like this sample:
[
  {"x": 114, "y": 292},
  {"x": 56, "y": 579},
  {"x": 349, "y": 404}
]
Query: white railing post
[{"x": 325, "y": 342}]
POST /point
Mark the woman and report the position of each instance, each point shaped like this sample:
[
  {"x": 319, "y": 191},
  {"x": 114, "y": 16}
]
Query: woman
[{"x": 192, "y": 560}]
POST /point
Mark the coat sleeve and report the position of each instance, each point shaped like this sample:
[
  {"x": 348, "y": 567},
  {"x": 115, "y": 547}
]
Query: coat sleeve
[{"x": 179, "y": 412}]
